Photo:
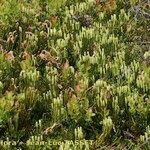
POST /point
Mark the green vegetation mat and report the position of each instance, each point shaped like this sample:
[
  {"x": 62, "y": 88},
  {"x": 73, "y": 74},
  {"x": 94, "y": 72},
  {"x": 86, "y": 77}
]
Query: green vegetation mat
[{"x": 75, "y": 74}]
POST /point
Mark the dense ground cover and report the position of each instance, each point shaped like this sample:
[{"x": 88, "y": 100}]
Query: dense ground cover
[{"x": 75, "y": 70}]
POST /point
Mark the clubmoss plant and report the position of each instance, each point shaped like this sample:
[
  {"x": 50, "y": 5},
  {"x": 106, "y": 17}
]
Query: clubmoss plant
[{"x": 74, "y": 70}]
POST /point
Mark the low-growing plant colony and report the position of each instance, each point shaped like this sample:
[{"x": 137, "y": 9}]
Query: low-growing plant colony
[{"x": 75, "y": 74}]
